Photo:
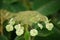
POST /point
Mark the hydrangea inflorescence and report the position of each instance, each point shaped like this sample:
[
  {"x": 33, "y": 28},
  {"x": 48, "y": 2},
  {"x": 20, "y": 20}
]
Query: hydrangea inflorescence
[{"x": 28, "y": 18}]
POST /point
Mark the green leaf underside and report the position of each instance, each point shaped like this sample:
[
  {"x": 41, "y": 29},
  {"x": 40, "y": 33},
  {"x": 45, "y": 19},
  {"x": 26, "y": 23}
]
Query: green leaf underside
[{"x": 27, "y": 35}]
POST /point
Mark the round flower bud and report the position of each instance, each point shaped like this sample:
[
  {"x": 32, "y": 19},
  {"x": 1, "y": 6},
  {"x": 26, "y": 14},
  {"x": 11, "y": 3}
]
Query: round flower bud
[
  {"x": 33, "y": 32},
  {"x": 22, "y": 28},
  {"x": 17, "y": 27},
  {"x": 49, "y": 26},
  {"x": 40, "y": 25},
  {"x": 9, "y": 28},
  {"x": 19, "y": 32},
  {"x": 12, "y": 21}
]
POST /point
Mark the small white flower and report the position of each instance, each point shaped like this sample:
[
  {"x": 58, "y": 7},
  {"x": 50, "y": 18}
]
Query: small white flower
[
  {"x": 19, "y": 32},
  {"x": 49, "y": 26},
  {"x": 33, "y": 32},
  {"x": 40, "y": 25},
  {"x": 17, "y": 27},
  {"x": 9, "y": 28},
  {"x": 12, "y": 21},
  {"x": 22, "y": 28}
]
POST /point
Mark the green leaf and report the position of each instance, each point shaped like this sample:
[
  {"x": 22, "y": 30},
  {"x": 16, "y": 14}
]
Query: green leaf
[
  {"x": 1, "y": 4},
  {"x": 27, "y": 35},
  {"x": 49, "y": 8},
  {"x": 46, "y": 7},
  {"x": 16, "y": 7},
  {"x": 9, "y": 1},
  {"x": 19, "y": 38},
  {"x": 38, "y": 3},
  {"x": 56, "y": 22},
  {"x": 2, "y": 37}
]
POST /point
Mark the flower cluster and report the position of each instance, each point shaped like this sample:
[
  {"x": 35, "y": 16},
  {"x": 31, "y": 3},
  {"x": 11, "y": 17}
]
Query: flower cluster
[
  {"x": 9, "y": 27},
  {"x": 20, "y": 28},
  {"x": 49, "y": 26}
]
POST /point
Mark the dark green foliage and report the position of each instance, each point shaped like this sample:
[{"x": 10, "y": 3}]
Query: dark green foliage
[
  {"x": 2, "y": 37},
  {"x": 19, "y": 38}
]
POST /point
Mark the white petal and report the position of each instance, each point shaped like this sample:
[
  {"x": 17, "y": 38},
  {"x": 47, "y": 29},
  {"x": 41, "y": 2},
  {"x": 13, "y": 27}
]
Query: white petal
[
  {"x": 49, "y": 26},
  {"x": 9, "y": 28},
  {"x": 19, "y": 32},
  {"x": 33, "y": 32},
  {"x": 40, "y": 25},
  {"x": 17, "y": 26},
  {"x": 22, "y": 28},
  {"x": 12, "y": 21}
]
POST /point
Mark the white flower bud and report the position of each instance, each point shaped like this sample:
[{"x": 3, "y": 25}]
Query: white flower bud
[
  {"x": 19, "y": 32},
  {"x": 17, "y": 27},
  {"x": 49, "y": 26},
  {"x": 40, "y": 25},
  {"x": 22, "y": 28},
  {"x": 12, "y": 21},
  {"x": 9, "y": 28},
  {"x": 33, "y": 32}
]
